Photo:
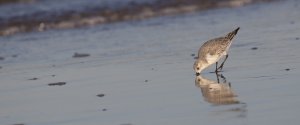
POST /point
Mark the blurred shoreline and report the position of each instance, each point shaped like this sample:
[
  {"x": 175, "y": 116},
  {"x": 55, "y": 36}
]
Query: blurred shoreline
[{"x": 95, "y": 15}]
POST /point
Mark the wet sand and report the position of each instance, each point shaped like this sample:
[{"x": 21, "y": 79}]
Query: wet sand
[{"x": 140, "y": 73}]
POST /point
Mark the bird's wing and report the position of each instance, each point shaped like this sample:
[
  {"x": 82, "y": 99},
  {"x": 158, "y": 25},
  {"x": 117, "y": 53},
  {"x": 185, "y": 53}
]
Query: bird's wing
[{"x": 214, "y": 46}]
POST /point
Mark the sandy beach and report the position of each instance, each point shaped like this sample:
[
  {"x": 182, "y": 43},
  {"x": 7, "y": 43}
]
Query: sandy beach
[{"x": 140, "y": 72}]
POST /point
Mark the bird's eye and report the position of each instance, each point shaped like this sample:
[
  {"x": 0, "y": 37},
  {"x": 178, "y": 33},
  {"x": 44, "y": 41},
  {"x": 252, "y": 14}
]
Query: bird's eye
[{"x": 197, "y": 68}]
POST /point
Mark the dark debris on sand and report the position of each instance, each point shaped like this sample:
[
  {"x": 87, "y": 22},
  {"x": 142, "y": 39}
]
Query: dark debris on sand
[
  {"x": 19, "y": 124},
  {"x": 57, "y": 84},
  {"x": 126, "y": 124},
  {"x": 14, "y": 56},
  {"x": 33, "y": 79},
  {"x": 80, "y": 55}
]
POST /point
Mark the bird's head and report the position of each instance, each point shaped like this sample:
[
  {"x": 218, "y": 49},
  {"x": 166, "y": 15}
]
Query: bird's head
[{"x": 198, "y": 67}]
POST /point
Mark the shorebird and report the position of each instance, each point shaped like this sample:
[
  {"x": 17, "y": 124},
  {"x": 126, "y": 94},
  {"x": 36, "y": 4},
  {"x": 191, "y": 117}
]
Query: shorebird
[{"x": 212, "y": 51}]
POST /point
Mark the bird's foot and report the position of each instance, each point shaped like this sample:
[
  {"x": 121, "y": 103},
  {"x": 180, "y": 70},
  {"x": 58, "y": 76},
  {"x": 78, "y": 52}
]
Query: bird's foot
[{"x": 217, "y": 71}]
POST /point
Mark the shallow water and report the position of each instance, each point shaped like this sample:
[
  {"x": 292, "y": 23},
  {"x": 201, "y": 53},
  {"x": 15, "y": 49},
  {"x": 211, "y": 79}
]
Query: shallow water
[{"x": 144, "y": 70}]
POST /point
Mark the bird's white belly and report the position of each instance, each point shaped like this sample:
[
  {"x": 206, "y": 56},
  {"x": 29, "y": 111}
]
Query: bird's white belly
[{"x": 213, "y": 58}]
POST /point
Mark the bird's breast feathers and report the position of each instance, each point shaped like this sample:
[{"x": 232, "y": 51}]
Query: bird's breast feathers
[{"x": 212, "y": 58}]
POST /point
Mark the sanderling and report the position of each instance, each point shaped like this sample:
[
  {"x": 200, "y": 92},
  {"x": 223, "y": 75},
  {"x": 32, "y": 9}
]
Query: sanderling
[{"x": 212, "y": 50}]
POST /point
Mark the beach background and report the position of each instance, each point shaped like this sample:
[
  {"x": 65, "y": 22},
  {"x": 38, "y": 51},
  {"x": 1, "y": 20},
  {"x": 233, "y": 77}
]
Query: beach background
[{"x": 58, "y": 66}]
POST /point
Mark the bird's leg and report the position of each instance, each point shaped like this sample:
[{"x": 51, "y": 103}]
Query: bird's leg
[
  {"x": 223, "y": 77},
  {"x": 216, "y": 67},
  {"x": 221, "y": 66},
  {"x": 218, "y": 79},
  {"x": 217, "y": 74}
]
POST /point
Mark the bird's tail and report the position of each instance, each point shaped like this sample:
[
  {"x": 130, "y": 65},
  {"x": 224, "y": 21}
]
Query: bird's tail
[{"x": 232, "y": 34}]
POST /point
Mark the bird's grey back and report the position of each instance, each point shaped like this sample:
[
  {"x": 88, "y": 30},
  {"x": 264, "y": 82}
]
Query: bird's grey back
[
  {"x": 217, "y": 45},
  {"x": 214, "y": 46}
]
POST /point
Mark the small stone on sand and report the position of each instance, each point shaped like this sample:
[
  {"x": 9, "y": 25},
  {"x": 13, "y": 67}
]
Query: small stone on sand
[
  {"x": 101, "y": 95},
  {"x": 254, "y": 48}
]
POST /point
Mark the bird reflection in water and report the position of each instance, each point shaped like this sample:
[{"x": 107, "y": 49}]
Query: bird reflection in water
[{"x": 216, "y": 92}]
